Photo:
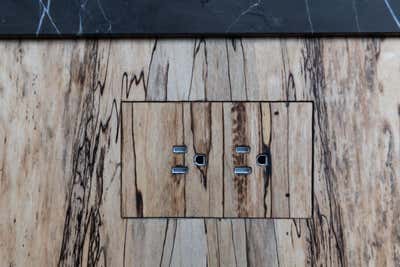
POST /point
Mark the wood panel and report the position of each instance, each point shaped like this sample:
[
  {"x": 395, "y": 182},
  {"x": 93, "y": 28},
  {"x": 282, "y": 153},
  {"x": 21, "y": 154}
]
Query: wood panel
[
  {"x": 214, "y": 129},
  {"x": 291, "y": 143},
  {"x": 280, "y": 147},
  {"x": 149, "y": 187},
  {"x": 60, "y": 154},
  {"x": 213, "y": 242},
  {"x": 300, "y": 159},
  {"x": 204, "y": 132},
  {"x": 245, "y": 196}
]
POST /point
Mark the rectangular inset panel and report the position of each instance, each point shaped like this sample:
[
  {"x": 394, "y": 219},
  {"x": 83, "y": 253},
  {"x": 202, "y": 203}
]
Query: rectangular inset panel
[
  {"x": 300, "y": 152},
  {"x": 204, "y": 136},
  {"x": 149, "y": 132},
  {"x": 280, "y": 196},
  {"x": 243, "y": 159},
  {"x": 245, "y": 125}
]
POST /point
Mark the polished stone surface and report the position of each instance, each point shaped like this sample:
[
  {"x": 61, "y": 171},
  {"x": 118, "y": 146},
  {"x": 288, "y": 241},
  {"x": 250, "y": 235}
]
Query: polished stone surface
[{"x": 198, "y": 17}]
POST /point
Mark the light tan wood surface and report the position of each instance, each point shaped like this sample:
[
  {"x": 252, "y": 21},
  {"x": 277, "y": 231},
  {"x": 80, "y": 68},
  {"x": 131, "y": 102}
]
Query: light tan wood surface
[
  {"x": 245, "y": 196},
  {"x": 280, "y": 196},
  {"x": 150, "y": 130},
  {"x": 60, "y": 162},
  {"x": 204, "y": 134},
  {"x": 300, "y": 159},
  {"x": 149, "y": 189}
]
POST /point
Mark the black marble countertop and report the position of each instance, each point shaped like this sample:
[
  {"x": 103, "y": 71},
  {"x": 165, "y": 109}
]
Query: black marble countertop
[{"x": 197, "y": 17}]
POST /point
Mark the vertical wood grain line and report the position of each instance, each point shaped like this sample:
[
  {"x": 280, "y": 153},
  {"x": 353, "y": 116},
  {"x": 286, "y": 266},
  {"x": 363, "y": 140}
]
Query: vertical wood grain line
[
  {"x": 184, "y": 159},
  {"x": 138, "y": 194},
  {"x": 288, "y": 196},
  {"x": 223, "y": 160}
]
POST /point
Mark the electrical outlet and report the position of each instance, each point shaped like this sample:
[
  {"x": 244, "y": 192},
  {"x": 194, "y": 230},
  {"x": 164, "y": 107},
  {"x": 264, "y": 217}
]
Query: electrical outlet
[{"x": 215, "y": 159}]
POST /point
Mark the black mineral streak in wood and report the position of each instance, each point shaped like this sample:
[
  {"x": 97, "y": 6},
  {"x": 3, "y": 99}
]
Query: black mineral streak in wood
[
  {"x": 315, "y": 73},
  {"x": 138, "y": 193},
  {"x": 201, "y": 146},
  {"x": 239, "y": 121},
  {"x": 267, "y": 170},
  {"x": 83, "y": 219}
]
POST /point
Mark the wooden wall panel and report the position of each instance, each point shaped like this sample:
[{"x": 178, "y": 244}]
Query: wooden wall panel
[
  {"x": 280, "y": 174},
  {"x": 245, "y": 196},
  {"x": 62, "y": 194},
  {"x": 215, "y": 129},
  {"x": 211, "y": 242},
  {"x": 204, "y": 135},
  {"x": 148, "y": 140},
  {"x": 300, "y": 159}
]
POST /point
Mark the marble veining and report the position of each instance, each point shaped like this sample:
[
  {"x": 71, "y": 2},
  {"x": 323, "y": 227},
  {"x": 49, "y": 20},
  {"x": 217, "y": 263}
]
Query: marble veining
[
  {"x": 197, "y": 17},
  {"x": 392, "y": 12}
]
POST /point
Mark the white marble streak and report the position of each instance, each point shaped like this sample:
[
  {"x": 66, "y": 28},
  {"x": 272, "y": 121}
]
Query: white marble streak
[
  {"x": 248, "y": 10},
  {"x": 356, "y": 15},
  {"x": 84, "y": 13},
  {"x": 105, "y": 16},
  {"x": 45, "y": 12},
  {"x": 396, "y": 19},
  {"x": 309, "y": 16},
  {"x": 82, "y": 9}
]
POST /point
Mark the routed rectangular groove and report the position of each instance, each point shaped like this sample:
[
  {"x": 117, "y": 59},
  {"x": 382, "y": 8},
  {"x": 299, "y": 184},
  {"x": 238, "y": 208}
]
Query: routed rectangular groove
[{"x": 279, "y": 159}]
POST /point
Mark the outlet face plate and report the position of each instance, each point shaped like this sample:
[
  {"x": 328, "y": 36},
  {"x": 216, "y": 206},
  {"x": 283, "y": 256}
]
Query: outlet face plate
[{"x": 281, "y": 131}]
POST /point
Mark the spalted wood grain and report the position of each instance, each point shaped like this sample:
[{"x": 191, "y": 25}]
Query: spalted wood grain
[
  {"x": 300, "y": 159},
  {"x": 213, "y": 242},
  {"x": 59, "y": 169},
  {"x": 130, "y": 203},
  {"x": 204, "y": 135},
  {"x": 245, "y": 195},
  {"x": 357, "y": 142},
  {"x": 156, "y": 128},
  {"x": 149, "y": 187},
  {"x": 280, "y": 148},
  {"x": 215, "y": 129},
  {"x": 291, "y": 143},
  {"x": 60, "y": 163}
]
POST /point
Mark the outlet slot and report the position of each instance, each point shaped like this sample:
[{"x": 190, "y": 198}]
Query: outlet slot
[
  {"x": 262, "y": 160},
  {"x": 200, "y": 160}
]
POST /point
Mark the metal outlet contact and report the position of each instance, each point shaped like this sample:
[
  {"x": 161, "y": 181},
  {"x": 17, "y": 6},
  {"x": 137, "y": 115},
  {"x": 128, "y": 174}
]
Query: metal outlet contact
[
  {"x": 242, "y": 149},
  {"x": 179, "y": 149},
  {"x": 179, "y": 170},
  {"x": 242, "y": 170}
]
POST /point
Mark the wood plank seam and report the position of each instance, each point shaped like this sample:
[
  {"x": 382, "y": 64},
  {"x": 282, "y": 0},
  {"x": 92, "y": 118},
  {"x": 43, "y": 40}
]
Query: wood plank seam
[{"x": 265, "y": 173}]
